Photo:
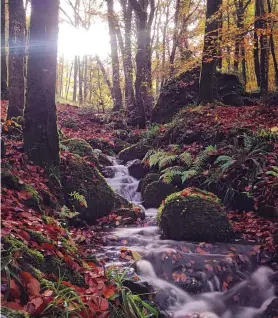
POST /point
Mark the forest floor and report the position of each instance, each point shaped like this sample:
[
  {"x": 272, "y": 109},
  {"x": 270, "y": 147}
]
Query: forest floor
[{"x": 36, "y": 232}]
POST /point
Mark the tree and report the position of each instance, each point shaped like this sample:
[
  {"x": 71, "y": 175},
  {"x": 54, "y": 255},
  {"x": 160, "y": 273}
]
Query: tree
[
  {"x": 4, "y": 86},
  {"x": 209, "y": 59},
  {"x": 143, "y": 82},
  {"x": 41, "y": 140},
  {"x": 16, "y": 58},
  {"x": 127, "y": 54},
  {"x": 75, "y": 73},
  {"x": 117, "y": 93}
]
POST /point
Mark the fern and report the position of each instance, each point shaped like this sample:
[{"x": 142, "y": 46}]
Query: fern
[
  {"x": 167, "y": 161},
  {"x": 188, "y": 174},
  {"x": 186, "y": 159},
  {"x": 80, "y": 198},
  {"x": 169, "y": 174},
  {"x": 202, "y": 159},
  {"x": 273, "y": 172}
]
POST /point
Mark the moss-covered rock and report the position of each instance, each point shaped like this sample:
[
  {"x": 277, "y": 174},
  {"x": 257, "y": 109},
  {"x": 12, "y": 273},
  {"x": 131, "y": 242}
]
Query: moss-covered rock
[
  {"x": 155, "y": 193},
  {"x": 194, "y": 215},
  {"x": 136, "y": 169},
  {"x": 119, "y": 145},
  {"x": 10, "y": 313},
  {"x": 183, "y": 90},
  {"x": 149, "y": 178},
  {"x": 136, "y": 151},
  {"x": 79, "y": 176},
  {"x": 82, "y": 148},
  {"x": 104, "y": 160},
  {"x": 102, "y": 144},
  {"x": 9, "y": 180}
]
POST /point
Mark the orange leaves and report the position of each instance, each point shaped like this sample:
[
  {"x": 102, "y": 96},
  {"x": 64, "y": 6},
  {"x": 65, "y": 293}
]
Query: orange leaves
[
  {"x": 33, "y": 287},
  {"x": 108, "y": 290}
]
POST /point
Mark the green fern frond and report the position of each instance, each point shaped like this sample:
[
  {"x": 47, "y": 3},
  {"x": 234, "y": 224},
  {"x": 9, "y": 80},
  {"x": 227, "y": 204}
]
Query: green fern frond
[
  {"x": 186, "y": 158},
  {"x": 167, "y": 161},
  {"x": 202, "y": 159},
  {"x": 188, "y": 174},
  {"x": 169, "y": 174},
  {"x": 79, "y": 197}
]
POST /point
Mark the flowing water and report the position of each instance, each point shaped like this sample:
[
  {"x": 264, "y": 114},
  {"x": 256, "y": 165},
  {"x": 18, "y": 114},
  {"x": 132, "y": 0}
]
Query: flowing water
[{"x": 191, "y": 278}]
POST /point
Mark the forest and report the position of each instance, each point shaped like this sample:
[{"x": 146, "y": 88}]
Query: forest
[{"x": 139, "y": 158}]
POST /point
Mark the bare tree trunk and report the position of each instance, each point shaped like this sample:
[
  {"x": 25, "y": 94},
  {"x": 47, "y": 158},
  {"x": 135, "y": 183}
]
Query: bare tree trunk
[
  {"x": 85, "y": 77},
  {"x": 272, "y": 48},
  {"x": 41, "y": 141},
  {"x": 263, "y": 51},
  {"x": 16, "y": 58},
  {"x": 127, "y": 55},
  {"x": 220, "y": 39},
  {"x": 209, "y": 60},
  {"x": 175, "y": 37},
  {"x": 117, "y": 93},
  {"x": 61, "y": 77},
  {"x": 256, "y": 43},
  {"x": 4, "y": 86},
  {"x": 106, "y": 79},
  {"x": 69, "y": 80},
  {"x": 80, "y": 82},
  {"x": 75, "y": 73}
]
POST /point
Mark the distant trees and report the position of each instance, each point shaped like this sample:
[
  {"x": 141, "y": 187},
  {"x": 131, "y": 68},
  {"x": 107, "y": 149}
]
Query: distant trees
[
  {"x": 4, "y": 79},
  {"x": 40, "y": 130},
  {"x": 16, "y": 58}
]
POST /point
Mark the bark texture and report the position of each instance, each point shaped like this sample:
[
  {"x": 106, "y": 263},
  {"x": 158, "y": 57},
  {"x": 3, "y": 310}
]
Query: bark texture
[
  {"x": 4, "y": 86},
  {"x": 41, "y": 140},
  {"x": 16, "y": 58},
  {"x": 117, "y": 93},
  {"x": 209, "y": 60}
]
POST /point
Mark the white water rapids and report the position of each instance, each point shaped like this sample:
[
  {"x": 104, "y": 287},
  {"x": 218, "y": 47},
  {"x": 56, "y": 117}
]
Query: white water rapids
[{"x": 253, "y": 284}]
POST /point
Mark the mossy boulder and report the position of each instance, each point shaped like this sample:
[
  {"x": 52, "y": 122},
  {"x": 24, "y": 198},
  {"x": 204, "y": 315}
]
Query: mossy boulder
[
  {"x": 149, "y": 178},
  {"x": 194, "y": 215},
  {"x": 136, "y": 151},
  {"x": 183, "y": 90},
  {"x": 10, "y": 313},
  {"x": 119, "y": 145},
  {"x": 9, "y": 180},
  {"x": 82, "y": 148},
  {"x": 136, "y": 168},
  {"x": 102, "y": 144},
  {"x": 155, "y": 193},
  {"x": 79, "y": 176}
]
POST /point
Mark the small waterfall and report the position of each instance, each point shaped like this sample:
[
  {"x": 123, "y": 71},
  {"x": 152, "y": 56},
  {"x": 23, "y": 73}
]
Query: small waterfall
[{"x": 163, "y": 258}]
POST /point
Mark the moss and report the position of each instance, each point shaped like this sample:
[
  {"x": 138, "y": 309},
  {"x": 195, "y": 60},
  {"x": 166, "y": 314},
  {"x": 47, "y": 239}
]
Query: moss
[
  {"x": 69, "y": 247},
  {"x": 149, "y": 178},
  {"x": 35, "y": 200},
  {"x": 38, "y": 237},
  {"x": 194, "y": 215},
  {"x": 136, "y": 151},
  {"x": 10, "y": 181},
  {"x": 10, "y": 313},
  {"x": 48, "y": 219},
  {"x": 69, "y": 123},
  {"x": 102, "y": 144},
  {"x": 82, "y": 148},
  {"x": 155, "y": 193},
  {"x": 104, "y": 160},
  {"x": 77, "y": 175},
  {"x": 29, "y": 255}
]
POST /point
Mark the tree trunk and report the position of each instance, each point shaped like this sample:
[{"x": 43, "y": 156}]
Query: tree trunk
[
  {"x": 61, "y": 77},
  {"x": 117, "y": 93},
  {"x": 85, "y": 77},
  {"x": 80, "y": 82},
  {"x": 209, "y": 59},
  {"x": 69, "y": 80},
  {"x": 272, "y": 48},
  {"x": 175, "y": 37},
  {"x": 16, "y": 58},
  {"x": 143, "y": 82},
  {"x": 263, "y": 51},
  {"x": 41, "y": 140},
  {"x": 4, "y": 86},
  {"x": 106, "y": 79},
  {"x": 220, "y": 40},
  {"x": 75, "y": 73},
  {"x": 127, "y": 55},
  {"x": 256, "y": 43}
]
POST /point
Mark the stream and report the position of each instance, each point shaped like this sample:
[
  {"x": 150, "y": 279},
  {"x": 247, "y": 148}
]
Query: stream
[{"x": 190, "y": 279}]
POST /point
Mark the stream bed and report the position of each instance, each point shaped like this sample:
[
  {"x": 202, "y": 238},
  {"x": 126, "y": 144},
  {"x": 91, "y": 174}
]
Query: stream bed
[{"x": 190, "y": 279}]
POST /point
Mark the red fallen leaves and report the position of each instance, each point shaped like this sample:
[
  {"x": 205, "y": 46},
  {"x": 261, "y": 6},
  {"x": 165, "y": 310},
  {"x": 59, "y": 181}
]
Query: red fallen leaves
[{"x": 254, "y": 227}]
